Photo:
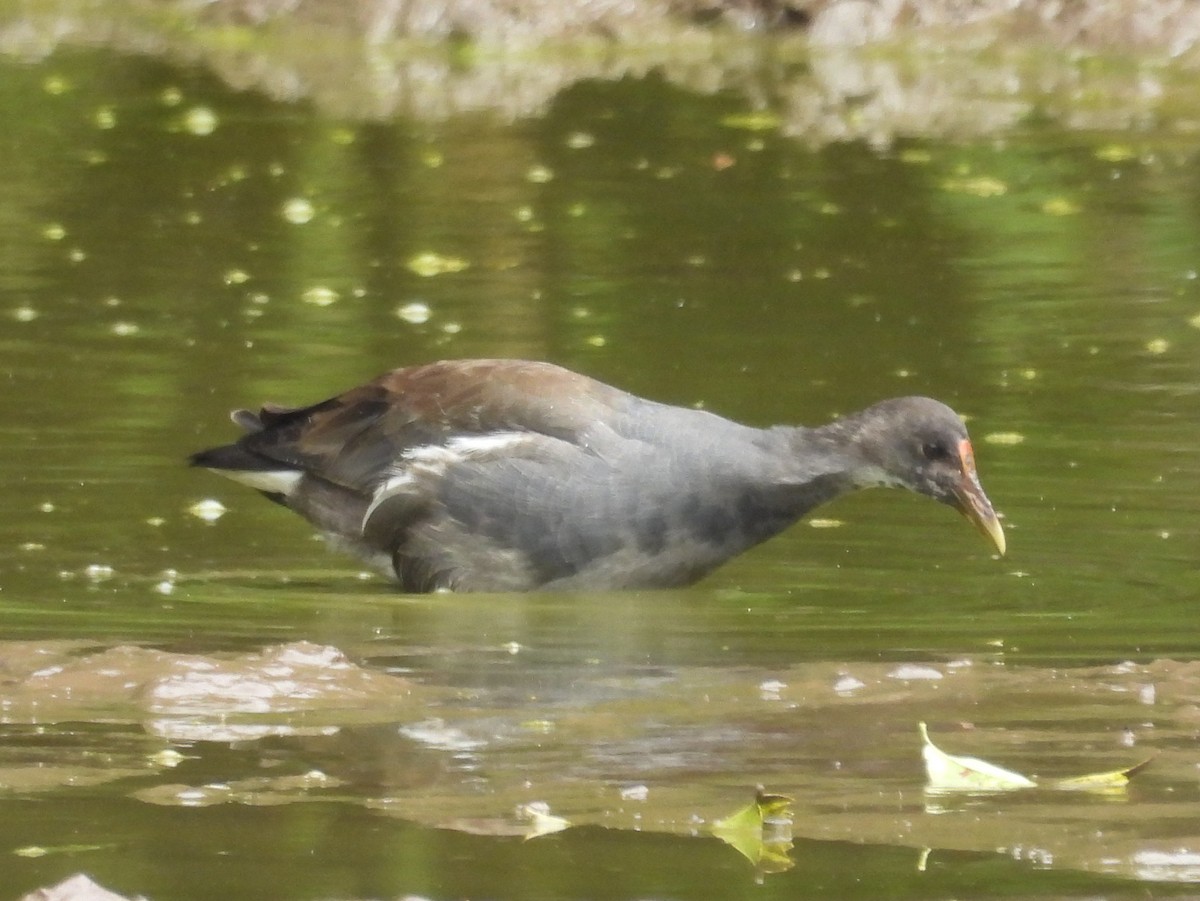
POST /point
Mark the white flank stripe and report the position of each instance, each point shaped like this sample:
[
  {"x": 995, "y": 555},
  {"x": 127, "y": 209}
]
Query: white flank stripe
[
  {"x": 464, "y": 447},
  {"x": 430, "y": 462},
  {"x": 389, "y": 489}
]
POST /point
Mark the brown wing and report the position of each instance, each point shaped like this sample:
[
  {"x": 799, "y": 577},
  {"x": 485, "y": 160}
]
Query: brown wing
[{"x": 354, "y": 438}]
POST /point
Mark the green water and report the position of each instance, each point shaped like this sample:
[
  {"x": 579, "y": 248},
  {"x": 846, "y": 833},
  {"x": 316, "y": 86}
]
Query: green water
[{"x": 173, "y": 248}]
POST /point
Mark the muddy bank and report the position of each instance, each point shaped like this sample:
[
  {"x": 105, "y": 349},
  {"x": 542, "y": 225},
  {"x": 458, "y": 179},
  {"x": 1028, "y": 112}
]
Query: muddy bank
[
  {"x": 822, "y": 71},
  {"x": 1156, "y": 26}
]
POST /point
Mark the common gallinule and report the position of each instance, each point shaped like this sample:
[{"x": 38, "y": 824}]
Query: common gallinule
[{"x": 506, "y": 475}]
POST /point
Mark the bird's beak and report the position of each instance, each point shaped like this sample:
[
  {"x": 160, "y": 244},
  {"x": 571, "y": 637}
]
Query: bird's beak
[{"x": 973, "y": 503}]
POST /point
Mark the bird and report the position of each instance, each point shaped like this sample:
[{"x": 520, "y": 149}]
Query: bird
[{"x": 513, "y": 475}]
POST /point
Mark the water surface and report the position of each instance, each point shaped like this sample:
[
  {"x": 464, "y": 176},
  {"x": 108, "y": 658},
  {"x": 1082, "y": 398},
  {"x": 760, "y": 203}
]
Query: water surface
[{"x": 197, "y": 708}]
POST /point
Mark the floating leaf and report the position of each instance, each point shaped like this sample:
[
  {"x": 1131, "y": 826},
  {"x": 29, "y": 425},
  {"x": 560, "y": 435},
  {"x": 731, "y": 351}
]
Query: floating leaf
[
  {"x": 949, "y": 773},
  {"x": 540, "y": 820},
  {"x": 760, "y": 832},
  {"x": 1093, "y": 781},
  {"x": 746, "y": 820},
  {"x": 774, "y": 808}
]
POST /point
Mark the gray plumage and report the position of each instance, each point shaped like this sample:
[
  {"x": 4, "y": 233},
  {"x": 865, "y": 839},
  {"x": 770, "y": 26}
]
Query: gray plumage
[{"x": 507, "y": 475}]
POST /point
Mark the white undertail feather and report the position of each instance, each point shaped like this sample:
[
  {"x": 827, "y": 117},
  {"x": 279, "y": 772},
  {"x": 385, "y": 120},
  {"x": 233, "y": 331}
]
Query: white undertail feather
[{"x": 278, "y": 481}]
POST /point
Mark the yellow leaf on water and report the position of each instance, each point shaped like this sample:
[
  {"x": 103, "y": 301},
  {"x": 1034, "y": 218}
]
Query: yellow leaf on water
[
  {"x": 949, "y": 773},
  {"x": 952, "y": 773},
  {"x": 766, "y": 807},
  {"x": 760, "y": 832},
  {"x": 773, "y": 807},
  {"x": 746, "y": 820},
  {"x": 773, "y": 857},
  {"x": 540, "y": 820},
  {"x": 1092, "y": 781}
]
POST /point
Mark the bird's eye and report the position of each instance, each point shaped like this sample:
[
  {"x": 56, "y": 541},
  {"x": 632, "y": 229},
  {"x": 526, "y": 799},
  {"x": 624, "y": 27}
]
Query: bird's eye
[{"x": 934, "y": 451}]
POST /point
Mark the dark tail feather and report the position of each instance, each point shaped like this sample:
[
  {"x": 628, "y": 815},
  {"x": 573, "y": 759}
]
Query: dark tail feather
[
  {"x": 232, "y": 456},
  {"x": 240, "y": 465}
]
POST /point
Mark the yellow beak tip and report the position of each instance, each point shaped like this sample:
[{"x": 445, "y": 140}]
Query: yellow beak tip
[{"x": 995, "y": 532}]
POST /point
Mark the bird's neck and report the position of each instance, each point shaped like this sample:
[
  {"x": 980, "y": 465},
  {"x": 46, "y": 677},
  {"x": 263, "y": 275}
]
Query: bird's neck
[{"x": 821, "y": 464}]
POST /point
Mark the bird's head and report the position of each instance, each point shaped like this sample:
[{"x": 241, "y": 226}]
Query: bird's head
[{"x": 921, "y": 444}]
